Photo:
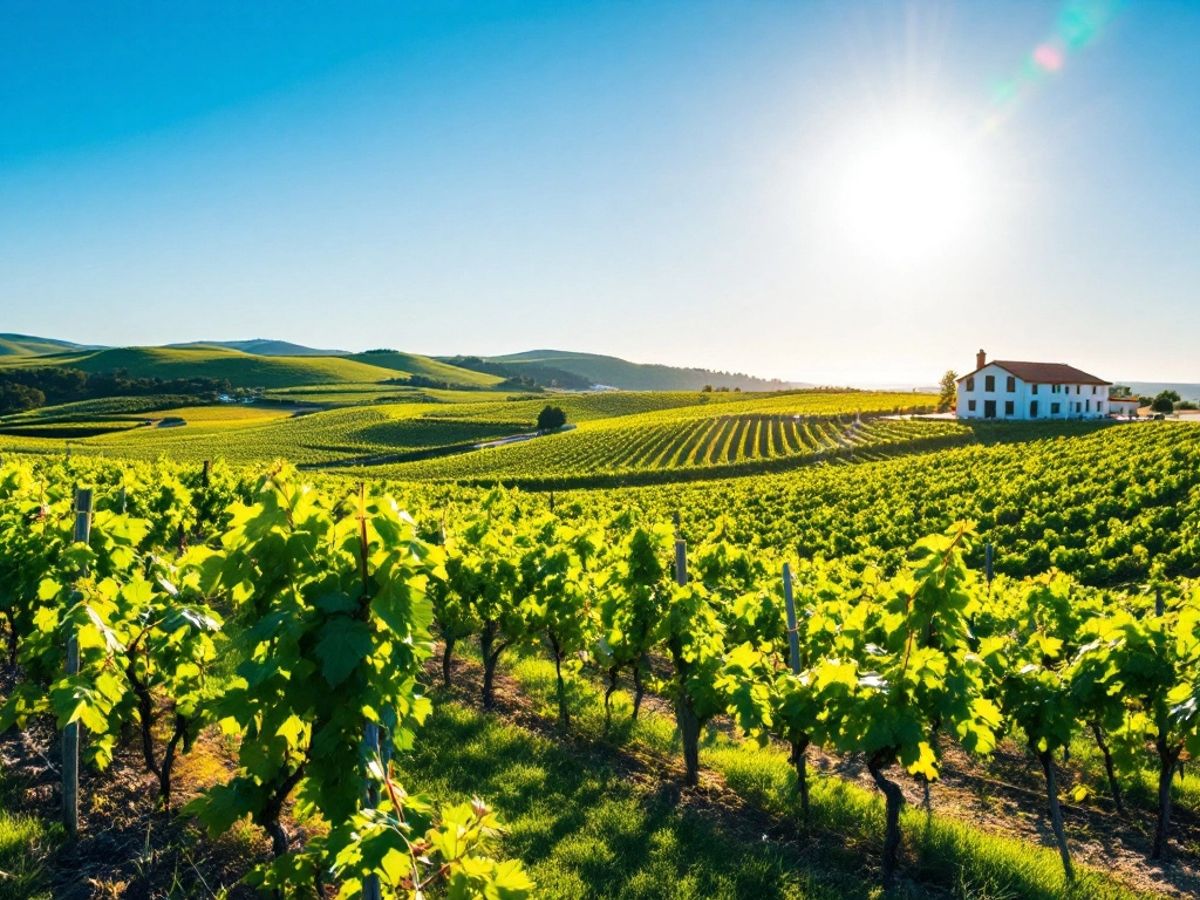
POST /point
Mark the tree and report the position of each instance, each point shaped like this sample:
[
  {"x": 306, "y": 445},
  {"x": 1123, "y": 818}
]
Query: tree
[
  {"x": 949, "y": 391},
  {"x": 1165, "y": 402},
  {"x": 551, "y": 418}
]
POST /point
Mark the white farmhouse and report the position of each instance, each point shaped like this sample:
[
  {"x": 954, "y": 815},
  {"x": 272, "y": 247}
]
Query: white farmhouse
[{"x": 1003, "y": 389}]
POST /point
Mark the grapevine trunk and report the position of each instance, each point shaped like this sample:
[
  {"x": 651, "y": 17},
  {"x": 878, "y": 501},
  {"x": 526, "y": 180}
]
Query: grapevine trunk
[
  {"x": 1114, "y": 786},
  {"x": 894, "y": 802},
  {"x": 447, "y": 655},
  {"x": 1167, "y": 758},
  {"x": 1056, "y": 821},
  {"x": 800, "y": 762},
  {"x": 564, "y": 717},
  {"x": 639, "y": 689},
  {"x": 164, "y": 775}
]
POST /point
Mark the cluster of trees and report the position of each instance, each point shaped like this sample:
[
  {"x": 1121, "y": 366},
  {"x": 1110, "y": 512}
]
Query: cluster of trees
[
  {"x": 551, "y": 418},
  {"x": 947, "y": 391},
  {"x": 30, "y": 388},
  {"x": 526, "y": 376},
  {"x": 1167, "y": 402}
]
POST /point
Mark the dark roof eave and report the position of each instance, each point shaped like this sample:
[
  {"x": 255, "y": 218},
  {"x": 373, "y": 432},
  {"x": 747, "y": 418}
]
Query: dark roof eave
[{"x": 1090, "y": 379}]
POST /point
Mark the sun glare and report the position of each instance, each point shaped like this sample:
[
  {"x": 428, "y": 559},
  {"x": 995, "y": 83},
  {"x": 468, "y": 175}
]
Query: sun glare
[{"x": 909, "y": 191}]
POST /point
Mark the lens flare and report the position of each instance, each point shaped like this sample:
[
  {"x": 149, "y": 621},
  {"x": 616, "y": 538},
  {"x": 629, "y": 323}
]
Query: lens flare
[
  {"x": 1079, "y": 23},
  {"x": 1048, "y": 57}
]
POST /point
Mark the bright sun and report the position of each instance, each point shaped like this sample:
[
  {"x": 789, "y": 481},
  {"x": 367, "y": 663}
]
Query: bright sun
[{"x": 910, "y": 190}]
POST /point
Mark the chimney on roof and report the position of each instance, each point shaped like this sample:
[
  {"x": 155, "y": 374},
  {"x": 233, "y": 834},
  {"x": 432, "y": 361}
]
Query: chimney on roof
[{"x": 980, "y": 360}]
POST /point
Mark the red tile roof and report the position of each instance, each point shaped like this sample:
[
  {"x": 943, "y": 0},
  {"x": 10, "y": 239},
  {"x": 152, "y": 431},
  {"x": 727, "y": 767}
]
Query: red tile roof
[{"x": 1043, "y": 373}]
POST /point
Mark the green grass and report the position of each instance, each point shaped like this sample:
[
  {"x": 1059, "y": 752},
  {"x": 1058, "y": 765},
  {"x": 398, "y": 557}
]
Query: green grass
[
  {"x": 25, "y": 843},
  {"x": 1139, "y": 792},
  {"x": 249, "y": 370},
  {"x": 584, "y": 829},
  {"x": 413, "y": 364},
  {"x": 941, "y": 852},
  {"x": 26, "y": 345}
]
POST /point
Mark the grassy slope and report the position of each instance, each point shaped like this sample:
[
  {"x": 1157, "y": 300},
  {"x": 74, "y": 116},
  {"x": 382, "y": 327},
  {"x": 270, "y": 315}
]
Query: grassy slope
[
  {"x": 412, "y": 364},
  {"x": 249, "y": 370},
  {"x": 629, "y": 376},
  {"x": 27, "y": 345},
  {"x": 241, "y": 369}
]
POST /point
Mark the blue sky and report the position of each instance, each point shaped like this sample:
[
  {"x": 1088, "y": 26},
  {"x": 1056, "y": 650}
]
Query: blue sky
[{"x": 655, "y": 180}]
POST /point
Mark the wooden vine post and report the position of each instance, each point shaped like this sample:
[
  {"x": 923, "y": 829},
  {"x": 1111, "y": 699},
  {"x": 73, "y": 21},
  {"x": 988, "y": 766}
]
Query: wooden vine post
[
  {"x": 371, "y": 888},
  {"x": 70, "y": 745},
  {"x": 799, "y": 746},
  {"x": 790, "y": 603},
  {"x": 685, "y": 714}
]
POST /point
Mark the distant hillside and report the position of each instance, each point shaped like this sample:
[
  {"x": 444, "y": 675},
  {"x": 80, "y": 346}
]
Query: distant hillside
[
  {"x": 27, "y": 345},
  {"x": 240, "y": 369},
  {"x": 261, "y": 347},
  {"x": 424, "y": 367},
  {"x": 619, "y": 373}
]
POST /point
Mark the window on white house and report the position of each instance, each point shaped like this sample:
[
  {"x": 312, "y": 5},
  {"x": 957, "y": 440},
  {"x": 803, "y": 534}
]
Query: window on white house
[
  {"x": 1009, "y": 407},
  {"x": 1035, "y": 387},
  {"x": 970, "y": 406},
  {"x": 989, "y": 382},
  {"x": 971, "y": 385},
  {"x": 1011, "y": 386},
  {"x": 1033, "y": 409},
  {"x": 1055, "y": 408}
]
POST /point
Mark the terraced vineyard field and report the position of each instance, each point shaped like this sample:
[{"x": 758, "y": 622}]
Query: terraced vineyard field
[{"x": 735, "y": 438}]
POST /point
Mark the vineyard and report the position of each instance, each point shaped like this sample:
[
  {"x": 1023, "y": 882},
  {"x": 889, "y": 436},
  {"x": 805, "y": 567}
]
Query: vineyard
[
  {"x": 825, "y": 644},
  {"x": 714, "y": 446},
  {"x": 449, "y": 425}
]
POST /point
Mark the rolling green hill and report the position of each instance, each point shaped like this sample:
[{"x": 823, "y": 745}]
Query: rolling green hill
[
  {"x": 241, "y": 369},
  {"x": 252, "y": 370},
  {"x": 427, "y": 367},
  {"x": 628, "y": 376},
  {"x": 262, "y": 347},
  {"x": 27, "y": 345}
]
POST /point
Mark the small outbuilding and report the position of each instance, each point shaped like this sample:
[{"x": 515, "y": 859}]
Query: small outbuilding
[{"x": 1124, "y": 406}]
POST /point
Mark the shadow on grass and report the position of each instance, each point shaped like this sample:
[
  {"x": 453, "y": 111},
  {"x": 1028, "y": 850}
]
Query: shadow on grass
[{"x": 587, "y": 828}]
